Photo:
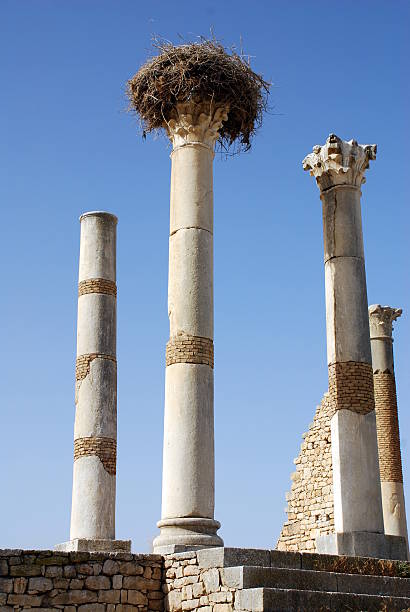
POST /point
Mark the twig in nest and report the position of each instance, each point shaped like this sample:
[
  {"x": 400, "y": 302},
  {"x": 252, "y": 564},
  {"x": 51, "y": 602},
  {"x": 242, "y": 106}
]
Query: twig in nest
[{"x": 205, "y": 72}]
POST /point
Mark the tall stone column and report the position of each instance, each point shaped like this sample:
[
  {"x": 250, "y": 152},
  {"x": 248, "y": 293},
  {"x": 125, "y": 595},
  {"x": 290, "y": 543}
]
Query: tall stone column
[
  {"x": 339, "y": 167},
  {"x": 95, "y": 429},
  {"x": 391, "y": 475},
  {"x": 187, "y": 519}
]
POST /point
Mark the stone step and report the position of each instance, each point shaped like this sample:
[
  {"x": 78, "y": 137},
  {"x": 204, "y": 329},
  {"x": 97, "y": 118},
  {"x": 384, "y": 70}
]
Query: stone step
[
  {"x": 292, "y": 600},
  {"x": 233, "y": 557},
  {"x": 246, "y": 577}
]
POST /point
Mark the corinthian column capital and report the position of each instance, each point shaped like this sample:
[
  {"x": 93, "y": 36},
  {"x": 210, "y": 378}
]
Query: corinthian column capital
[
  {"x": 196, "y": 123},
  {"x": 339, "y": 162},
  {"x": 381, "y": 320}
]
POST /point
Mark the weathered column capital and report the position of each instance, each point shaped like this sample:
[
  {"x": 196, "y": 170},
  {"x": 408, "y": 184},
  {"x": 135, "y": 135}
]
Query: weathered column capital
[
  {"x": 339, "y": 162},
  {"x": 381, "y": 320},
  {"x": 196, "y": 123}
]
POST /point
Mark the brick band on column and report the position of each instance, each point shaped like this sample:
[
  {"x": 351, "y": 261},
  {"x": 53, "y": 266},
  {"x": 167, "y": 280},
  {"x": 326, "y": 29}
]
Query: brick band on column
[
  {"x": 103, "y": 448},
  {"x": 97, "y": 285},
  {"x": 82, "y": 364},
  {"x": 351, "y": 386},
  {"x": 387, "y": 427},
  {"x": 190, "y": 349}
]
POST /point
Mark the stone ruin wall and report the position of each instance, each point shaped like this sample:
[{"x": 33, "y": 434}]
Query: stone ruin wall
[
  {"x": 87, "y": 582},
  {"x": 111, "y": 582},
  {"x": 310, "y": 501},
  {"x": 190, "y": 584}
]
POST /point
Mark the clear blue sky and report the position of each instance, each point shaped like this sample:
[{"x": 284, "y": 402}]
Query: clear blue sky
[{"x": 67, "y": 146}]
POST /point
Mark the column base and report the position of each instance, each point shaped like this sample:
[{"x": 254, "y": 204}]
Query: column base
[
  {"x": 188, "y": 533},
  {"x": 90, "y": 545},
  {"x": 362, "y": 544}
]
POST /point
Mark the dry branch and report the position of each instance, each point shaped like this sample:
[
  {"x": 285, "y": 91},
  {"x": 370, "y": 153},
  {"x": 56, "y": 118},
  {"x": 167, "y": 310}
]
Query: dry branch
[{"x": 202, "y": 72}]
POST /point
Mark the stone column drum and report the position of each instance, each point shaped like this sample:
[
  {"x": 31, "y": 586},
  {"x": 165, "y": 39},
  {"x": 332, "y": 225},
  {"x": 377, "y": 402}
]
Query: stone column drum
[
  {"x": 391, "y": 475},
  {"x": 95, "y": 430},
  {"x": 188, "y": 459},
  {"x": 339, "y": 168}
]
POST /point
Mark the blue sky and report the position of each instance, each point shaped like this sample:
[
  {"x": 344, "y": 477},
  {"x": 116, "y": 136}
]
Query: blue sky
[{"x": 68, "y": 146}]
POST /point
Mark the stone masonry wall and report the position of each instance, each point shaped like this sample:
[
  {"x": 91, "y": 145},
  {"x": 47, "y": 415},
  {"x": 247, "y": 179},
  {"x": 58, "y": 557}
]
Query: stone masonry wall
[
  {"x": 310, "y": 501},
  {"x": 351, "y": 386},
  {"x": 104, "y": 448},
  {"x": 185, "y": 348},
  {"x": 387, "y": 420},
  {"x": 87, "y": 582},
  {"x": 190, "y": 586}
]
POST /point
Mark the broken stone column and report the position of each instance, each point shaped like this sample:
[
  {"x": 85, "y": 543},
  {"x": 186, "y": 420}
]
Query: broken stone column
[
  {"x": 95, "y": 429},
  {"x": 187, "y": 518},
  {"x": 391, "y": 475},
  {"x": 339, "y": 167}
]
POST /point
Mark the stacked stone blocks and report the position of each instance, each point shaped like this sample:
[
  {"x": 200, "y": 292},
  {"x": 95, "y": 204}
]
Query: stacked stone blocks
[
  {"x": 104, "y": 448},
  {"x": 351, "y": 386},
  {"x": 310, "y": 502},
  {"x": 95, "y": 582},
  {"x": 185, "y": 348},
  {"x": 83, "y": 364},
  {"x": 97, "y": 285},
  {"x": 388, "y": 427},
  {"x": 189, "y": 585}
]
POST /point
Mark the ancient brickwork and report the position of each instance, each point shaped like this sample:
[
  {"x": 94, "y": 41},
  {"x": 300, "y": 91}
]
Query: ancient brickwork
[
  {"x": 188, "y": 586},
  {"x": 190, "y": 349},
  {"x": 97, "y": 285},
  {"x": 88, "y": 582},
  {"x": 82, "y": 364},
  {"x": 351, "y": 386},
  {"x": 310, "y": 501},
  {"x": 387, "y": 421},
  {"x": 104, "y": 448}
]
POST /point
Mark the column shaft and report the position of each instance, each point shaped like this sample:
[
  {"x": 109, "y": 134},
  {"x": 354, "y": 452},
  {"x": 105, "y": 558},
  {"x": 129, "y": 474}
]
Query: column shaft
[
  {"x": 356, "y": 482},
  {"x": 189, "y": 447},
  {"x": 339, "y": 167},
  {"x": 188, "y": 488},
  {"x": 95, "y": 430},
  {"x": 391, "y": 475}
]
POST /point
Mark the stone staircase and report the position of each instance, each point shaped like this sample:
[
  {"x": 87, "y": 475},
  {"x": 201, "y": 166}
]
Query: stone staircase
[{"x": 273, "y": 581}]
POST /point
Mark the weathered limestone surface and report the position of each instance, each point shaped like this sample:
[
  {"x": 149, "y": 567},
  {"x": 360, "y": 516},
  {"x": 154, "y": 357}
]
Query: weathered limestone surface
[
  {"x": 357, "y": 495},
  {"x": 339, "y": 167},
  {"x": 391, "y": 474},
  {"x": 95, "y": 429},
  {"x": 188, "y": 458},
  {"x": 96, "y": 582}
]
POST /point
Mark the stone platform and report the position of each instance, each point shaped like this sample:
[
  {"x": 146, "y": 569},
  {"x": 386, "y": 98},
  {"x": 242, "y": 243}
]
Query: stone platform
[
  {"x": 243, "y": 580},
  {"x": 207, "y": 580},
  {"x": 93, "y": 545}
]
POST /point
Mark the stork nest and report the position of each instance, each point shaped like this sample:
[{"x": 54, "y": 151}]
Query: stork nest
[{"x": 200, "y": 72}]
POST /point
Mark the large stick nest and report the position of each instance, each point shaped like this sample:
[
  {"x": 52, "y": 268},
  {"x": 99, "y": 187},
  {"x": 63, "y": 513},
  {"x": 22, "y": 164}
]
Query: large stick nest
[{"x": 201, "y": 72}]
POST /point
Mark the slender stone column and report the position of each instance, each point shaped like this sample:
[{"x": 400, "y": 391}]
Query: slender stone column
[
  {"x": 339, "y": 168},
  {"x": 95, "y": 430},
  {"x": 391, "y": 475},
  {"x": 187, "y": 518}
]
